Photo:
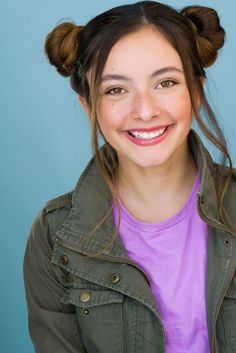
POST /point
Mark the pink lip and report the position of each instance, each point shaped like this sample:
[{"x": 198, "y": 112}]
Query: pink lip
[
  {"x": 151, "y": 142},
  {"x": 154, "y": 128}
]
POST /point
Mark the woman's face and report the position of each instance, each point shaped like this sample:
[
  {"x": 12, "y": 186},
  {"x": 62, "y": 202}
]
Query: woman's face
[{"x": 144, "y": 108}]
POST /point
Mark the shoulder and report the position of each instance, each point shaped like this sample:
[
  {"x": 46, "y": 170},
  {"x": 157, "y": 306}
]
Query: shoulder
[
  {"x": 37, "y": 266},
  {"x": 57, "y": 210},
  {"x": 231, "y": 191},
  {"x": 232, "y": 183},
  {"x": 230, "y": 194},
  {"x": 224, "y": 171},
  {"x": 50, "y": 218},
  {"x": 61, "y": 202}
]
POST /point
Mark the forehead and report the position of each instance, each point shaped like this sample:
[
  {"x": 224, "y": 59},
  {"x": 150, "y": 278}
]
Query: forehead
[{"x": 143, "y": 50}]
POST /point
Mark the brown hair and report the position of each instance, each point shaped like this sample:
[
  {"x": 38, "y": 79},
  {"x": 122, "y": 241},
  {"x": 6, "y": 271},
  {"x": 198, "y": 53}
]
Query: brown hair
[{"x": 196, "y": 34}]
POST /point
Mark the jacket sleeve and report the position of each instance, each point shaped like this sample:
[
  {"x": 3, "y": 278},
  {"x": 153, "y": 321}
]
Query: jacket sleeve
[{"x": 53, "y": 326}]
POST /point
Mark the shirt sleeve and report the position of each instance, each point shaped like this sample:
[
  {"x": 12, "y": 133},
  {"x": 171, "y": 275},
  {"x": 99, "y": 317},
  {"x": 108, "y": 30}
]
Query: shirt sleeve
[{"x": 53, "y": 326}]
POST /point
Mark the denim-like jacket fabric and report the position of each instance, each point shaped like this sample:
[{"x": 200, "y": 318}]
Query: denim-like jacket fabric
[{"x": 86, "y": 296}]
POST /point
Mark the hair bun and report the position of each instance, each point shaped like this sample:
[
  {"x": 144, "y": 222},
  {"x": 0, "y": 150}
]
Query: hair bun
[
  {"x": 61, "y": 47},
  {"x": 210, "y": 36}
]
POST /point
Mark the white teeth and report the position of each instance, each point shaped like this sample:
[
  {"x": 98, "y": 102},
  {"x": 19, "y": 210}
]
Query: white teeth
[{"x": 148, "y": 135}]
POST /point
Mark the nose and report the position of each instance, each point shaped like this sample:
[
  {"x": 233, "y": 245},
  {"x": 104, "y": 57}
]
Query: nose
[{"x": 145, "y": 106}]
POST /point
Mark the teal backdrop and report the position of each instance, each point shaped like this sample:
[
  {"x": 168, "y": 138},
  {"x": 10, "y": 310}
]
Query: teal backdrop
[{"x": 44, "y": 135}]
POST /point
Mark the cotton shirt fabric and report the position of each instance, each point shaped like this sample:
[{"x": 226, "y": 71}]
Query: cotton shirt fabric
[{"x": 173, "y": 254}]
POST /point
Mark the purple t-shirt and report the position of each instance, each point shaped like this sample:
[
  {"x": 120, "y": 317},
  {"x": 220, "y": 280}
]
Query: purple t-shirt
[{"x": 173, "y": 253}]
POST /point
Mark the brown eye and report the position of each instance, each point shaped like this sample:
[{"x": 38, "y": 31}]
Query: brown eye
[
  {"x": 115, "y": 91},
  {"x": 167, "y": 83}
]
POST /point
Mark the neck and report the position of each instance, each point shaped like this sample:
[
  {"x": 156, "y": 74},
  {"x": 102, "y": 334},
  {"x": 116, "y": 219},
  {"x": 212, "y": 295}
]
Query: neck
[{"x": 158, "y": 185}]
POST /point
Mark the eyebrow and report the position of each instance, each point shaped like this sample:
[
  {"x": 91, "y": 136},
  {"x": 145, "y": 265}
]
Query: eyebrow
[{"x": 164, "y": 70}]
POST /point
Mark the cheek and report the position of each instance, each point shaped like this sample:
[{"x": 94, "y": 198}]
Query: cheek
[
  {"x": 110, "y": 114},
  {"x": 103, "y": 113},
  {"x": 181, "y": 108},
  {"x": 106, "y": 119}
]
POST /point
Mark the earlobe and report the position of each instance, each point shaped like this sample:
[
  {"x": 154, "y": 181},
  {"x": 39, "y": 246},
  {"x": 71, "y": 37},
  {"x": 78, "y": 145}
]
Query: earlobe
[
  {"x": 84, "y": 104},
  {"x": 202, "y": 82},
  {"x": 202, "y": 79}
]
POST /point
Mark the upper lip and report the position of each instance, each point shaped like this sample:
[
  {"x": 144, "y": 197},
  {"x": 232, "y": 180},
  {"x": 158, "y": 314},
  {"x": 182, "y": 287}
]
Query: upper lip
[{"x": 154, "y": 128}]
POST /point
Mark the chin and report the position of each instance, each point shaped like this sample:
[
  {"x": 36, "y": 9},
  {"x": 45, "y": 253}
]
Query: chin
[{"x": 150, "y": 163}]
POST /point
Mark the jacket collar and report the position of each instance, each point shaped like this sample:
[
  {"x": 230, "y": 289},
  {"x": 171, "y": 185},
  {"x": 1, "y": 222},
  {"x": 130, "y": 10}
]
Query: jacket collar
[{"x": 92, "y": 200}]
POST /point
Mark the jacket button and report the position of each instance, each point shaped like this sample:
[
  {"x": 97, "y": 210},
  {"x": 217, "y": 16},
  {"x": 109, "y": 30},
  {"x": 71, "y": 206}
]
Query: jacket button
[
  {"x": 86, "y": 312},
  {"x": 64, "y": 260},
  {"x": 227, "y": 242},
  {"x": 85, "y": 297},
  {"x": 115, "y": 278}
]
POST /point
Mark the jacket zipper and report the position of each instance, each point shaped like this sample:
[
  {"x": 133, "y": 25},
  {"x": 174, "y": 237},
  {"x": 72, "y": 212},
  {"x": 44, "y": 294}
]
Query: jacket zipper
[
  {"x": 228, "y": 280},
  {"x": 73, "y": 247}
]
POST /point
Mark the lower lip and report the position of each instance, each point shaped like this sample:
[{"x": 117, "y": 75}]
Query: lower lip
[{"x": 151, "y": 142}]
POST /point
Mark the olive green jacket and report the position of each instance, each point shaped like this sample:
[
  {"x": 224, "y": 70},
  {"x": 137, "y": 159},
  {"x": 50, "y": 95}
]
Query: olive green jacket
[{"x": 104, "y": 304}]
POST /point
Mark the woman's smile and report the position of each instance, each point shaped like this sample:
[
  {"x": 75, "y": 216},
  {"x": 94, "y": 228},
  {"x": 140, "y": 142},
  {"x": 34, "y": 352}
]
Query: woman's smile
[{"x": 147, "y": 137}]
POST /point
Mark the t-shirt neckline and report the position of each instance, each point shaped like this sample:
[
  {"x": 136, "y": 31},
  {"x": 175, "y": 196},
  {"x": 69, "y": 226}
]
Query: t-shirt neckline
[{"x": 188, "y": 207}]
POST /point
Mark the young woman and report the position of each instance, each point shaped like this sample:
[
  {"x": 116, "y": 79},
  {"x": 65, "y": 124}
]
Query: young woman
[{"x": 141, "y": 256}]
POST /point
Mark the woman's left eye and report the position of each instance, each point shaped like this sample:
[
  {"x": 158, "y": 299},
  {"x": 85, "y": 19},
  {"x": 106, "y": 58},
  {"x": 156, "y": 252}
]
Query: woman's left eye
[{"x": 167, "y": 84}]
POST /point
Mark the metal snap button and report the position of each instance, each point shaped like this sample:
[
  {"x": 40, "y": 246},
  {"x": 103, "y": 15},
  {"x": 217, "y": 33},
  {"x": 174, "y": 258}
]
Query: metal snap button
[
  {"x": 115, "y": 278},
  {"x": 64, "y": 260},
  {"x": 86, "y": 311},
  {"x": 85, "y": 297},
  {"x": 226, "y": 241}
]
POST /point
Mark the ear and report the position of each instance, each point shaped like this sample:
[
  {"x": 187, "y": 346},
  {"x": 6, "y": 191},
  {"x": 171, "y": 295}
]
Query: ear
[{"x": 84, "y": 104}]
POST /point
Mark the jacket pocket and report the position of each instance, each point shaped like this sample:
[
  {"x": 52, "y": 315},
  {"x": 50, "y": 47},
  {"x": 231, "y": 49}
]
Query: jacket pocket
[
  {"x": 99, "y": 313},
  {"x": 229, "y": 315}
]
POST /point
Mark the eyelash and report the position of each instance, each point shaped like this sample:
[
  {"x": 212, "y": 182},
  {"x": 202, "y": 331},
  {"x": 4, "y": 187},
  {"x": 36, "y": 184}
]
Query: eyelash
[{"x": 173, "y": 83}]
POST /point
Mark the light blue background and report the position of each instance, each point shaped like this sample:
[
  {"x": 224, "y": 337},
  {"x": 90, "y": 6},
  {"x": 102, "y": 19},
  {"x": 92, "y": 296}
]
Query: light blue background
[{"x": 45, "y": 140}]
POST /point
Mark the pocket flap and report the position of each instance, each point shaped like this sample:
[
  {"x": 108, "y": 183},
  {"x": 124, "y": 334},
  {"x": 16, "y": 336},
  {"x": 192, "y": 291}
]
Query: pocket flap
[{"x": 87, "y": 298}]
